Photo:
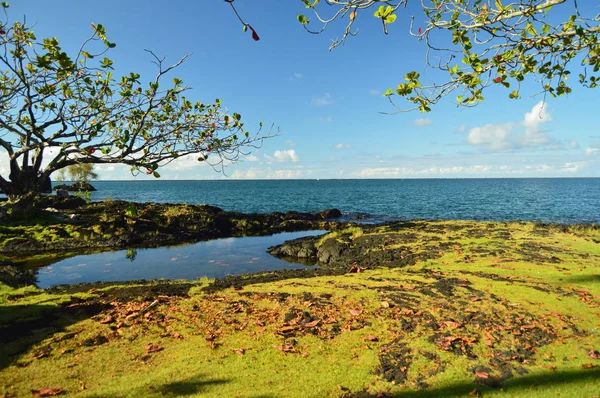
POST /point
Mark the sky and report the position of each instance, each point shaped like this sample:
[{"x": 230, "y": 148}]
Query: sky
[{"x": 327, "y": 105}]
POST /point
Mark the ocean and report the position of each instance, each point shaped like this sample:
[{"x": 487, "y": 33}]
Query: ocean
[{"x": 558, "y": 200}]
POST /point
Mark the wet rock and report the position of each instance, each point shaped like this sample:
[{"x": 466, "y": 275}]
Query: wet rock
[
  {"x": 76, "y": 186},
  {"x": 13, "y": 275},
  {"x": 331, "y": 251},
  {"x": 297, "y": 248},
  {"x": 329, "y": 213}
]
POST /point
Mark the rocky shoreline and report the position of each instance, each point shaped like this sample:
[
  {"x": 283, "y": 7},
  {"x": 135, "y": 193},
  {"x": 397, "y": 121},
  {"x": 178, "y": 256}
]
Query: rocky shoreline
[{"x": 69, "y": 224}]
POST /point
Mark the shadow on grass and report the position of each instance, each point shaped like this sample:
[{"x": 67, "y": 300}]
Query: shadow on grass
[
  {"x": 23, "y": 326},
  {"x": 518, "y": 385},
  {"x": 183, "y": 388},
  {"x": 581, "y": 279}
]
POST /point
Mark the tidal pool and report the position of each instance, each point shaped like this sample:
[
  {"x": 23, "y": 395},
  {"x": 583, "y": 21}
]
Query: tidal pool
[{"x": 212, "y": 259}]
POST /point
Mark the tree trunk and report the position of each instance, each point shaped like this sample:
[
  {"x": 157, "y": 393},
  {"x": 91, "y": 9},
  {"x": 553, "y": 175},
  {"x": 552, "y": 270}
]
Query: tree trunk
[{"x": 24, "y": 186}]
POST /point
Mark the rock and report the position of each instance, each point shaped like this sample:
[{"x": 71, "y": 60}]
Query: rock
[
  {"x": 331, "y": 251},
  {"x": 303, "y": 248},
  {"x": 83, "y": 186},
  {"x": 76, "y": 186},
  {"x": 329, "y": 213},
  {"x": 14, "y": 276},
  {"x": 62, "y": 193},
  {"x": 69, "y": 203}
]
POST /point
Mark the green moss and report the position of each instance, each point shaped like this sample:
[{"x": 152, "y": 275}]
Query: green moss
[{"x": 496, "y": 299}]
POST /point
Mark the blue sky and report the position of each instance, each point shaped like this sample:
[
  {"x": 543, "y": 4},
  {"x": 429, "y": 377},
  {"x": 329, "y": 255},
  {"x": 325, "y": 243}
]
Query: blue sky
[{"x": 328, "y": 105}]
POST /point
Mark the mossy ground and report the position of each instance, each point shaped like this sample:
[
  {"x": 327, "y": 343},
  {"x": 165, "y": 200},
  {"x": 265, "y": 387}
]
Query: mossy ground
[{"x": 503, "y": 309}]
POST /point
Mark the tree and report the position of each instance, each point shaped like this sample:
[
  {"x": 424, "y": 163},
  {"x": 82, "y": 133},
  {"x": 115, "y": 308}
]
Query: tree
[
  {"x": 73, "y": 110},
  {"x": 481, "y": 43},
  {"x": 78, "y": 173}
]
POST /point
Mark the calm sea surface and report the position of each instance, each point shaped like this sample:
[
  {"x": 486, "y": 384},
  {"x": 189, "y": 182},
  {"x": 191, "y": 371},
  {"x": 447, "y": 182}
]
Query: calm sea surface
[{"x": 562, "y": 200}]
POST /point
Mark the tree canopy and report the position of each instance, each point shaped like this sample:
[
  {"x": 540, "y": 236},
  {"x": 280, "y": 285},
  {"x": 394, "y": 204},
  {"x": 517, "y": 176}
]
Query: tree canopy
[
  {"x": 58, "y": 110},
  {"x": 481, "y": 43}
]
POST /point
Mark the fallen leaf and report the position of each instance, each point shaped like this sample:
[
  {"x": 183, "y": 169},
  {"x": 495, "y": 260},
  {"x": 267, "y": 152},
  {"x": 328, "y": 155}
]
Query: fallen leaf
[
  {"x": 240, "y": 351},
  {"x": 384, "y": 304},
  {"x": 153, "y": 348},
  {"x": 587, "y": 365},
  {"x": 482, "y": 375},
  {"x": 107, "y": 319},
  {"x": 284, "y": 348},
  {"x": 355, "y": 312},
  {"x": 452, "y": 324},
  {"x": 47, "y": 392},
  {"x": 371, "y": 338},
  {"x": 312, "y": 324},
  {"x": 594, "y": 354}
]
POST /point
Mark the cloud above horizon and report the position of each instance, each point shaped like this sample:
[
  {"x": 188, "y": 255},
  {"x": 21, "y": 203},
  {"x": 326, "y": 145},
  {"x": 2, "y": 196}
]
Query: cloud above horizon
[
  {"x": 422, "y": 122},
  {"x": 525, "y": 134},
  {"x": 284, "y": 156}
]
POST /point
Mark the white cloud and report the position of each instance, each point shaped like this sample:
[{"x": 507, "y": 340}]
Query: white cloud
[
  {"x": 422, "y": 122},
  {"x": 514, "y": 136},
  {"x": 327, "y": 119},
  {"x": 296, "y": 76},
  {"x": 387, "y": 172},
  {"x": 291, "y": 143},
  {"x": 573, "y": 167},
  {"x": 284, "y": 156},
  {"x": 492, "y": 136},
  {"x": 323, "y": 100},
  {"x": 374, "y": 92},
  {"x": 590, "y": 151},
  {"x": 573, "y": 144},
  {"x": 286, "y": 174},
  {"x": 245, "y": 174},
  {"x": 343, "y": 146},
  {"x": 461, "y": 128},
  {"x": 251, "y": 158}
]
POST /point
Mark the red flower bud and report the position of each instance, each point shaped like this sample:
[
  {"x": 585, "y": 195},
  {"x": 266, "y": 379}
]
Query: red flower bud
[
  {"x": 498, "y": 79},
  {"x": 2, "y": 32},
  {"x": 149, "y": 171}
]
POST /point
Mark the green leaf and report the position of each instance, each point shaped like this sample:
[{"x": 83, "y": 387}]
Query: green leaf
[
  {"x": 5, "y": 4},
  {"x": 302, "y": 19},
  {"x": 156, "y": 175},
  {"x": 245, "y": 28},
  {"x": 380, "y": 13},
  {"x": 390, "y": 18},
  {"x": 388, "y": 92}
]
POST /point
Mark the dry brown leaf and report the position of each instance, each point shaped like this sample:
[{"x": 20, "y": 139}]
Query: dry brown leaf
[
  {"x": 593, "y": 354},
  {"x": 107, "y": 319},
  {"x": 452, "y": 324},
  {"x": 355, "y": 312},
  {"x": 153, "y": 348},
  {"x": 482, "y": 375},
  {"x": 312, "y": 324},
  {"x": 285, "y": 348},
  {"x": 384, "y": 304},
  {"x": 371, "y": 338},
  {"x": 47, "y": 392}
]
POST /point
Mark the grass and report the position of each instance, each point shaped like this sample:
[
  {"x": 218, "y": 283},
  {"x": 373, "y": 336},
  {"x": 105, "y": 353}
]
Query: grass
[{"x": 510, "y": 310}]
